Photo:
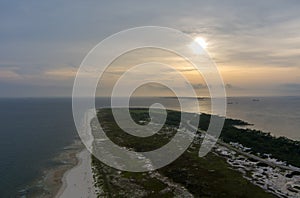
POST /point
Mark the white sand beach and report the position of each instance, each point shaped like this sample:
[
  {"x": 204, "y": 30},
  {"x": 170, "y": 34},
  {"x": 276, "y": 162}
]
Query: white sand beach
[{"x": 78, "y": 181}]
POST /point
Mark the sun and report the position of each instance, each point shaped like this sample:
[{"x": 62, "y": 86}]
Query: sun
[{"x": 201, "y": 41}]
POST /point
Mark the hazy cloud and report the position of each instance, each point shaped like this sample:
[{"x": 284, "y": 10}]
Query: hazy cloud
[{"x": 43, "y": 43}]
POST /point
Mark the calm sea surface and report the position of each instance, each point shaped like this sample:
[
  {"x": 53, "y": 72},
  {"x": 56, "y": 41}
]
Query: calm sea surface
[{"x": 33, "y": 131}]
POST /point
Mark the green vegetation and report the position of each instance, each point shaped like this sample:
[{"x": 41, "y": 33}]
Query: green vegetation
[
  {"x": 280, "y": 148},
  {"x": 126, "y": 140},
  {"x": 209, "y": 176},
  {"x": 125, "y": 184},
  {"x": 260, "y": 142}
]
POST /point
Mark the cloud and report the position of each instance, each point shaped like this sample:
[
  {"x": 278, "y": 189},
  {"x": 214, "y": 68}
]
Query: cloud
[
  {"x": 62, "y": 73},
  {"x": 8, "y": 74},
  {"x": 44, "y": 43}
]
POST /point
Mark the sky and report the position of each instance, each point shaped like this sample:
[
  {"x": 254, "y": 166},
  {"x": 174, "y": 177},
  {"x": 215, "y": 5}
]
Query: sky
[{"x": 255, "y": 44}]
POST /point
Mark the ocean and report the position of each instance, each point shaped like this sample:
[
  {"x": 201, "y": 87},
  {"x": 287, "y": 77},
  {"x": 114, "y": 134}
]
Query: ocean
[
  {"x": 32, "y": 132},
  {"x": 278, "y": 115},
  {"x": 35, "y": 130}
]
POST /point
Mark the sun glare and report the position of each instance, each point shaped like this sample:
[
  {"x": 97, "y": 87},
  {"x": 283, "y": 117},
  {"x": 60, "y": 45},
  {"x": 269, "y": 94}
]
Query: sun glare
[{"x": 201, "y": 41}]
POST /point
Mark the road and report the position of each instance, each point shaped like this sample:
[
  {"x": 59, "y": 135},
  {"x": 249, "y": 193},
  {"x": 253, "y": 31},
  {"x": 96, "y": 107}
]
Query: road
[{"x": 272, "y": 164}]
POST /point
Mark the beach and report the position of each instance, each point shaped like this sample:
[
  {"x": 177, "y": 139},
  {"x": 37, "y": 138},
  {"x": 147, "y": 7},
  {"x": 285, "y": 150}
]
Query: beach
[
  {"x": 78, "y": 181},
  {"x": 73, "y": 176}
]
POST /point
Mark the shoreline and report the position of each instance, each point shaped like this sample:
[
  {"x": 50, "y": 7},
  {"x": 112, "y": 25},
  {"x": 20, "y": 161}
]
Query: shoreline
[
  {"x": 78, "y": 181},
  {"x": 53, "y": 180},
  {"x": 49, "y": 183},
  {"x": 72, "y": 176}
]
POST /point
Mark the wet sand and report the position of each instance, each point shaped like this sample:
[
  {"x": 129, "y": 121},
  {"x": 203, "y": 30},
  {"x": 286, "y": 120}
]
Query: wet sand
[{"x": 52, "y": 180}]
